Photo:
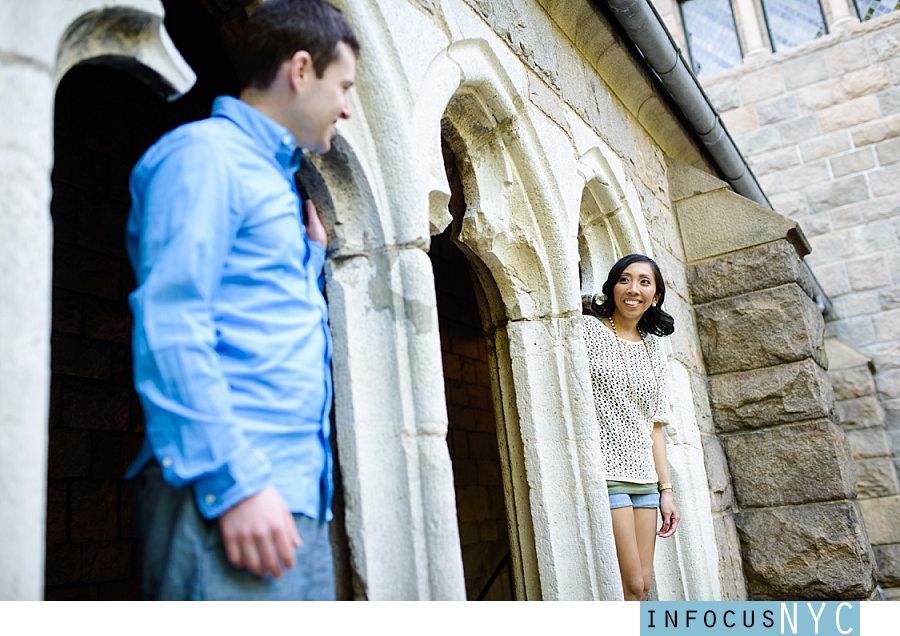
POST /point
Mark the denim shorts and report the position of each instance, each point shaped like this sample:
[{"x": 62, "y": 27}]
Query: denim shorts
[{"x": 635, "y": 501}]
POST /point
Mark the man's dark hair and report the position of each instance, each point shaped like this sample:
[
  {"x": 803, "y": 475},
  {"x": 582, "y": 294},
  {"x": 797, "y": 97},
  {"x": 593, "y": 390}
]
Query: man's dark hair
[
  {"x": 654, "y": 320},
  {"x": 280, "y": 28}
]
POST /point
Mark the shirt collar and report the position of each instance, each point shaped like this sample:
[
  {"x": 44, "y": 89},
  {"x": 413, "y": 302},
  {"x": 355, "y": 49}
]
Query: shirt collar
[{"x": 268, "y": 133}]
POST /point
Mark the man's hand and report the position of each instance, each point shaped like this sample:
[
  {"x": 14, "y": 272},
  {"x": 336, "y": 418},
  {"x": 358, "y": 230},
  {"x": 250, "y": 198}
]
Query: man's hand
[
  {"x": 314, "y": 228},
  {"x": 259, "y": 534}
]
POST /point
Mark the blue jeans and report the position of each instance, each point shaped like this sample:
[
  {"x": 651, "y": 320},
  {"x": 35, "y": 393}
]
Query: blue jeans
[
  {"x": 622, "y": 500},
  {"x": 184, "y": 559}
]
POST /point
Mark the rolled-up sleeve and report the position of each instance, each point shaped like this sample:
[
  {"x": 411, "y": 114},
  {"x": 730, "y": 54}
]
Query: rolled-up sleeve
[{"x": 182, "y": 225}]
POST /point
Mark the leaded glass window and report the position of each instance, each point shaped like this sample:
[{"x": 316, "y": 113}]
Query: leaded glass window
[
  {"x": 793, "y": 22},
  {"x": 868, "y": 9},
  {"x": 711, "y": 35}
]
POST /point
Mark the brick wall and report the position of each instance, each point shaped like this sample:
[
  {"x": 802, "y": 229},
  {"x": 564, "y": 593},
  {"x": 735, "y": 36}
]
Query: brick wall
[
  {"x": 820, "y": 126},
  {"x": 472, "y": 433}
]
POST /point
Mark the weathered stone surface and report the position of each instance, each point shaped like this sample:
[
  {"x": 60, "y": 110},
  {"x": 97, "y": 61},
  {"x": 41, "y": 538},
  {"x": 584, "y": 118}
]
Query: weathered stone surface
[
  {"x": 798, "y": 130},
  {"x": 752, "y": 269},
  {"x": 849, "y": 114},
  {"x": 888, "y": 559},
  {"x": 833, "y": 278},
  {"x": 769, "y": 396},
  {"x": 866, "y": 81},
  {"x": 762, "y": 85},
  {"x": 885, "y": 181},
  {"x": 820, "y": 95},
  {"x": 760, "y": 329},
  {"x": 866, "y": 443},
  {"x": 720, "y": 493},
  {"x": 731, "y": 574},
  {"x": 740, "y": 121},
  {"x": 851, "y": 383},
  {"x": 868, "y": 272},
  {"x": 775, "y": 160},
  {"x": 825, "y": 146},
  {"x": 806, "y": 552},
  {"x": 773, "y": 467},
  {"x": 758, "y": 141},
  {"x": 888, "y": 152},
  {"x": 876, "y": 477},
  {"x": 876, "y": 131},
  {"x": 889, "y": 101},
  {"x": 724, "y": 96},
  {"x": 858, "y": 161},
  {"x": 881, "y": 517},
  {"x": 778, "y": 109},
  {"x": 805, "y": 70},
  {"x": 860, "y": 412},
  {"x": 832, "y": 194}
]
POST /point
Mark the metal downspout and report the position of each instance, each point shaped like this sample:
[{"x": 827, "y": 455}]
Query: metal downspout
[{"x": 649, "y": 34}]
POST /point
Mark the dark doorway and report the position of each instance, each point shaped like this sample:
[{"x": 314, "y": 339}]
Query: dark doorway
[
  {"x": 472, "y": 432},
  {"x": 104, "y": 121}
]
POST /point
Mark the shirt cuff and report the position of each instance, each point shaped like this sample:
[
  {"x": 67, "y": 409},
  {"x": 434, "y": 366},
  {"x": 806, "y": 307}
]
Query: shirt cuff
[
  {"x": 246, "y": 474},
  {"x": 316, "y": 256}
]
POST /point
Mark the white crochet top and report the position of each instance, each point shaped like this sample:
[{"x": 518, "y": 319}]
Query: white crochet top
[{"x": 627, "y": 410}]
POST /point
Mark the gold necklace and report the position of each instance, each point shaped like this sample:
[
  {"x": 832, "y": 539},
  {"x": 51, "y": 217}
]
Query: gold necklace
[{"x": 612, "y": 324}]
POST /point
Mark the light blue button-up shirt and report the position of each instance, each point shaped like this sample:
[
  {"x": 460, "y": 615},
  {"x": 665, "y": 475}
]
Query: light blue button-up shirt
[{"x": 232, "y": 348}]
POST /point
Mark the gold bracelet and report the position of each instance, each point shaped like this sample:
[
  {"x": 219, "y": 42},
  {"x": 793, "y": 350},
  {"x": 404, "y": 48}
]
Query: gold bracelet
[{"x": 666, "y": 487}]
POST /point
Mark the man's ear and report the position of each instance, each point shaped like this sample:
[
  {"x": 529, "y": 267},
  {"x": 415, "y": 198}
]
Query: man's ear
[{"x": 300, "y": 69}]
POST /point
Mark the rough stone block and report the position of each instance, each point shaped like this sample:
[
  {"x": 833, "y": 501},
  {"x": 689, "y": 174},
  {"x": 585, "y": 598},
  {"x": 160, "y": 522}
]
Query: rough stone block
[
  {"x": 833, "y": 279},
  {"x": 724, "y": 96},
  {"x": 106, "y": 320},
  {"x": 806, "y": 552},
  {"x": 805, "y": 70},
  {"x": 720, "y": 493},
  {"x": 801, "y": 129},
  {"x": 847, "y": 56},
  {"x": 889, "y": 298},
  {"x": 826, "y": 146},
  {"x": 751, "y": 269},
  {"x": 873, "y": 132},
  {"x": 887, "y": 326},
  {"x": 806, "y": 175},
  {"x": 762, "y": 85},
  {"x": 775, "y": 467},
  {"x": 884, "y": 44},
  {"x": 849, "y": 216},
  {"x": 825, "y": 94},
  {"x": 85, "y": 271},
  {"x": 888, "y": 152},
  {"x": 889, "y": 101},
  {"x": 757, "y": 141},
  {"x": 791, "y": 204},
  {"x": 777, "y": 109},
  {"x": 769, "y": 396},
  {"x": 885, "y": 181},
  {"x": 876, "y": 478},
  {"x": 728, "y": 547},
  {"x": 79, "y": 357},
  {"x": 57, "y": 511},
  {"x": 742, "y": 120},
  {"x": 866, "y": 81},
  {"x": 887, "y": 558},
  {"x": 869, "y": 272},
  {"x": 63, "y": 564},
  {"x": 860, "y": 413},
  {"x": 775, "y": 160},
  {"x": 852, "y": 383},
  {"x": 858, "y": 161},
  {"x": 867, "y": 443},
  {"x": 760, "y": 329},
  {"x": 833, "y": 194},
  {"x": 859, "y": 330},
  {"x": 881, "y": 519},
  {"x": 849, "y": 114}
]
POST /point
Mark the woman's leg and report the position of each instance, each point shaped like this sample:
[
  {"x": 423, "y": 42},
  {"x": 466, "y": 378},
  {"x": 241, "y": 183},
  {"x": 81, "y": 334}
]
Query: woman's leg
[
  {"x": 645, "y": 523},
  {"x": 628, "y": 552}
]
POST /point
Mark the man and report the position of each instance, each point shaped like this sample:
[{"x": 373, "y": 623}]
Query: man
[{"x": 231, "y": 342}]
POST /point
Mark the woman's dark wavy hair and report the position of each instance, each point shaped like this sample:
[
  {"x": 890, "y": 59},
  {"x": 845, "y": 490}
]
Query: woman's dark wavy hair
[
  {"x": 654, "y": 320},
  {"x": 280, "y": 28}
]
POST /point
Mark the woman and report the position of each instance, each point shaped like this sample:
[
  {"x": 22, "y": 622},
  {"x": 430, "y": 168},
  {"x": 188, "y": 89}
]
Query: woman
[{"x": 628, "y": 374}]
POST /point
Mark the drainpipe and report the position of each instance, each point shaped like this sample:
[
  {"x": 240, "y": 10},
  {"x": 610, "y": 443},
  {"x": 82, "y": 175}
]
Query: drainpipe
[{"x": 648, "y": 32}]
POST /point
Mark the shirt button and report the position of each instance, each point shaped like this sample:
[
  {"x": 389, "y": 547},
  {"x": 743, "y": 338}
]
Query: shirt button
[
  {"x": 286, "y": 140},
  {"x": 166, "y": 462},
  {"x": 210, "y": 499}
]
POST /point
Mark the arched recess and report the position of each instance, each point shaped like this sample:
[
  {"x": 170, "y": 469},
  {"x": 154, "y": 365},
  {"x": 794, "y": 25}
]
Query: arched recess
[
  {"x": 35, "y": 60},
  {"x": 513, "y": 233},
  {"x": 611, "y": 226}
]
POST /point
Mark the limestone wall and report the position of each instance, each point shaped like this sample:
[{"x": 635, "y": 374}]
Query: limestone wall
[{"x": 820, "y": 125}]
